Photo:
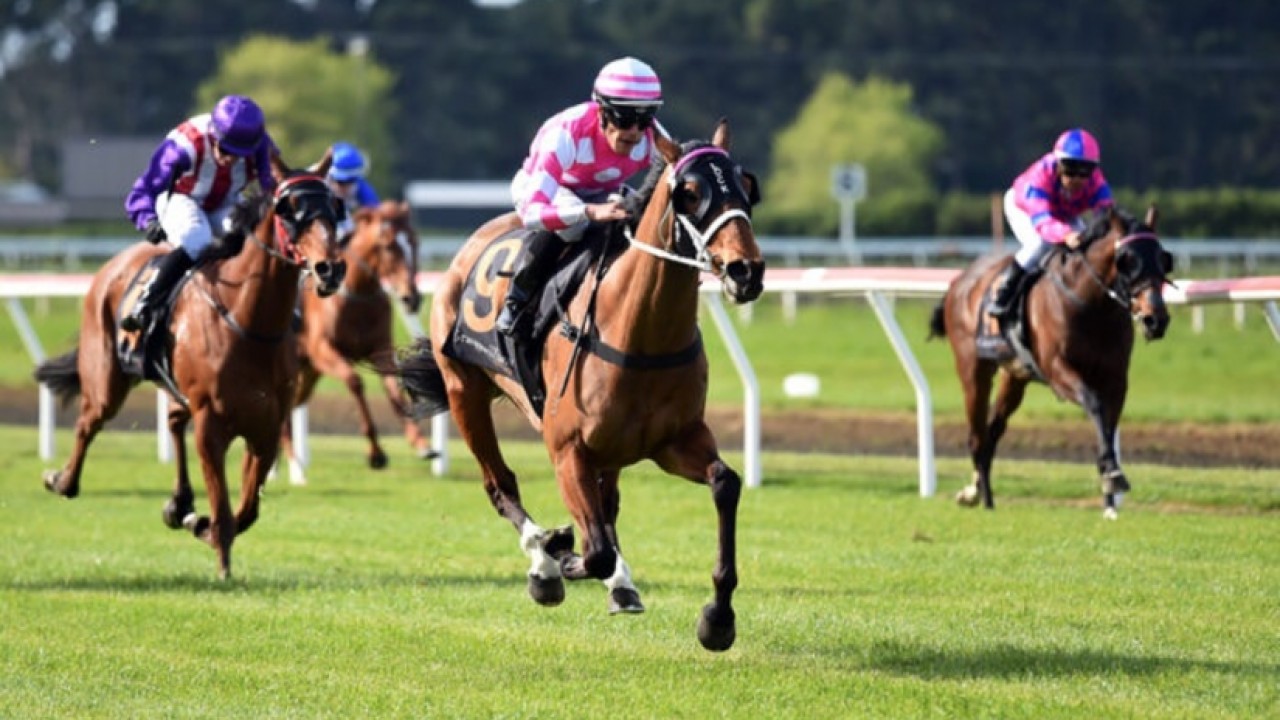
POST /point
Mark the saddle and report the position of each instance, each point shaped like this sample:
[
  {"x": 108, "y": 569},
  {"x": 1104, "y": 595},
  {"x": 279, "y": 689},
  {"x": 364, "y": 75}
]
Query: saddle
[
  {"x": 1005, "y": 340},
  {"x": 148, "y": 353},
  {"x": 473, "y": 339}
]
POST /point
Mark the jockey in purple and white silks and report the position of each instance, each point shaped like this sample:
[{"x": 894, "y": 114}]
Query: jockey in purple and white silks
[
  {"x": 577, "y": 162},
  {"x": 1045, "y": 206},
  {"x": 189, "y": 188}
]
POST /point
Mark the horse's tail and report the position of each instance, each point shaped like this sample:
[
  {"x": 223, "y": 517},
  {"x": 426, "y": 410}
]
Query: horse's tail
[
  {"x": 62, "y": 375},
  {"x": 422, "y": 379},
  {"x": 938, "y": 320}
]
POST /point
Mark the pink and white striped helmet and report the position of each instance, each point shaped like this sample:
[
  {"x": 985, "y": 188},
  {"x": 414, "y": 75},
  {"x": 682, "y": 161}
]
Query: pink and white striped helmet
[{"x": 628, "y": 82}]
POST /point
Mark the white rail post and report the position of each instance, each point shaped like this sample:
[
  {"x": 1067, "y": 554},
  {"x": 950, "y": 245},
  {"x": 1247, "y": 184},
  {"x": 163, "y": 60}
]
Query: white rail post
[
  {"x": 48, "y": 408},
  {"x": 924, "y": 399},
  {"x": 751, "y": 390},
  {"x": 164, "y": 444}
]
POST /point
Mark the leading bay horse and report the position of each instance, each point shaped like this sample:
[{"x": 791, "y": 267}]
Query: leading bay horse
[
  {"x": 640, "y": 393},
  {"x": 233, "y": 356},
  {"x": 1079, "y": 319},
  {"x": 355, "y": 325}
]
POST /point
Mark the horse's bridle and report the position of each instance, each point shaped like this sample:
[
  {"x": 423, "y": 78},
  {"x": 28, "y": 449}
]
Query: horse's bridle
[
  {"x": 723, "y": 185},
  {"x": 1124, "y": 296},
  {"x": 304, "y": 187}
]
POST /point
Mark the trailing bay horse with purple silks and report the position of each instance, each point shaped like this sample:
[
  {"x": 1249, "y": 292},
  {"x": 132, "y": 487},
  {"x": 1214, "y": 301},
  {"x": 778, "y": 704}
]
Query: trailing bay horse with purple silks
[
  {"x": 637, "y": 392},
  {"x": 1079, "y": 334},
  {"x": 355, "y": 325},
  {"x": 231, "y": 348}
]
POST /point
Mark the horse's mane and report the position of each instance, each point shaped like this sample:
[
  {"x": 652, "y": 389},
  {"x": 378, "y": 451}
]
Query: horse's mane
[
  {"x": 1100, "y": 224},
  {"x": 245, "y": 217},
  {"x": 656, "y": 166}
]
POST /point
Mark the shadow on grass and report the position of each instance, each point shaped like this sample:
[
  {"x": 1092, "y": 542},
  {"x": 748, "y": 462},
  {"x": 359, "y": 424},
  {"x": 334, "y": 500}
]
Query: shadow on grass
[
  {"x": 163, "y": 584},
  {"x": 1008, "y": 661}
]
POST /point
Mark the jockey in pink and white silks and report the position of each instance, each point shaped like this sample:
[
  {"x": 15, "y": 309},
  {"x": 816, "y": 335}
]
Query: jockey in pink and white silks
[
  {"x": 578, "y": 161},
  {"x": 1045, "y": 206},
  {"x": 190, "y": 187}
]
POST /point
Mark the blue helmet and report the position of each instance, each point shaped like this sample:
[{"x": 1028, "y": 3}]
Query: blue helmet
[
  {"x": 348, "y": 162},
  {"x": 238, "y": 125}
]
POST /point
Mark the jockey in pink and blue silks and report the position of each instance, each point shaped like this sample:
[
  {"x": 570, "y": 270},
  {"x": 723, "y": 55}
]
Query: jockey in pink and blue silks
[
  {"x": 578, "y": 161},
  {"x": 1045, "y": 208},
  {"x": 189, "y": 188}
]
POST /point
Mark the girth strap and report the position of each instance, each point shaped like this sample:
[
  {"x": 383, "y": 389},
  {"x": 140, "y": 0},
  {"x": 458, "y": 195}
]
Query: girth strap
[{"x": 592, "y": 343}]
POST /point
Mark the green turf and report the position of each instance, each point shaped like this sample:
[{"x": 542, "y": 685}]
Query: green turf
[
  {"x": 398, "y": 594},
  {"x": 1223, "y": 375}
]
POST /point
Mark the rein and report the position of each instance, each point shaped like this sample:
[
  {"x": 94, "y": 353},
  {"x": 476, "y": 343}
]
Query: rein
[{"x": 1126, "y": 300}]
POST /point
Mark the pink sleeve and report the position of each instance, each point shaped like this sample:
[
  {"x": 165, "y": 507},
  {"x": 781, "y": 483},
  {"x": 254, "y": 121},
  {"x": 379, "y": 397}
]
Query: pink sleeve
[
  {"x": 543, "y": 206},
  {"x": 1035, "y": 196}
]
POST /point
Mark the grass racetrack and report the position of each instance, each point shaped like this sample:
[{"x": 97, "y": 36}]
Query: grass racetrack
[{"x": 397, "y": 594}]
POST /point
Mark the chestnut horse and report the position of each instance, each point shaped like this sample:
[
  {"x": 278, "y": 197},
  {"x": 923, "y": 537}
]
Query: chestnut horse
[
  {"x": 1079, "y": 319},
  {"x": 637, "y": 390},
  {"x": 233, "y": 355},
  {"x": 355, "y": 325}
]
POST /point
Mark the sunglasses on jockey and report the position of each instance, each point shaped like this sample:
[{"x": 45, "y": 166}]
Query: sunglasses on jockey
[
  {"x": 1077, "y": 168},
  {"x": 625, "y": 118}
]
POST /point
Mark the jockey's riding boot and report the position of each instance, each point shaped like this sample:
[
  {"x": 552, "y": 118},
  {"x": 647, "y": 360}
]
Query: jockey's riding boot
[
  {"x": 1010, "y": 283},
  {"x": 171, "y": 267},
  {"x": 535, "y": 263}
]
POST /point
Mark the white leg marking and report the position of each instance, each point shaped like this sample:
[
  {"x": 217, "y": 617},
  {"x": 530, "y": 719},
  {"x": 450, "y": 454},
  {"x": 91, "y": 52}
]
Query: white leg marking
[{"x": 532, "y": 541}]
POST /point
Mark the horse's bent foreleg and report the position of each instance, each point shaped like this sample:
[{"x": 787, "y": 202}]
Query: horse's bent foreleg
[
  {"x": 1106, "y": 418},
  {"x": 330, "y": 362},
  {"x": 258, "y": 459},
  {"x": 181, "y": 506},
  {"x": 219, "y": 529},
  {"x": 694, "y": 456}
]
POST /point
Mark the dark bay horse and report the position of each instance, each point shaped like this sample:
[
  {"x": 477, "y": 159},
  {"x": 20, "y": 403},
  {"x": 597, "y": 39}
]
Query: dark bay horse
[
  {"x": 1079, "y": 333},
  {"x": 645, "y": 402},
  {"x": 355, "y": 325},
  {"x": 233, "y": 354}
]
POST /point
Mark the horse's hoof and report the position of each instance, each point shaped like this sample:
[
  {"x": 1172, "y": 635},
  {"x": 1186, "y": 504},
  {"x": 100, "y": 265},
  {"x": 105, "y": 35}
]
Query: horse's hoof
[
  {"x": 1114, "y": 482},
  {"x": 53, "y": 483},
  {"x": 967, "y": 497},
  {"x": 625, "y": 600},
  {"x": 547, "y": 592},
  {"x": 378, "y": 460},
  {"x": 426, "y": 453},
  {"x": 716, "y": 629},
  {"x": 174, "y": 516},
  {"x": 559, "y": 542},
  {"x": 1110, "y": 514}
]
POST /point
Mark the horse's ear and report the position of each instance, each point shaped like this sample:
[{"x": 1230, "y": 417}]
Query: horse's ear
[
  {"x": 722, "y": 136},
  {"x": 321, "y": 168},
  {"x": 1116, "y": 220},
  {"x": 1152, "y": 216},
  {"x": 668, "y": 149},
  {"x": 279, "y": 170}
]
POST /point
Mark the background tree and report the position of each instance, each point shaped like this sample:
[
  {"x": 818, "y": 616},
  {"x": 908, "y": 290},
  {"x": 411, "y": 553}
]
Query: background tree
[
  {"x": 872, "y": 123},
  {"x": 312, "y": 97}
]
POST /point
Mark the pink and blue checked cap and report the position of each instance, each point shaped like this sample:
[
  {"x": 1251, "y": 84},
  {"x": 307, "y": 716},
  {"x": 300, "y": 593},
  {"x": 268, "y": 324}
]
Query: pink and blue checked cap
[
  {"x": 628, "y": 81},
  {"x": 1077, "y": 144}
]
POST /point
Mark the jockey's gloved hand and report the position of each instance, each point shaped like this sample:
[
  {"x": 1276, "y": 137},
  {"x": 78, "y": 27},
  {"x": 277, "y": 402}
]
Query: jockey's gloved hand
[{"x": 154, "y": 233}]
